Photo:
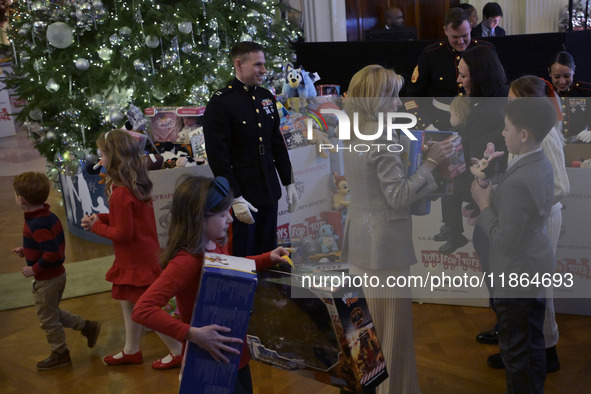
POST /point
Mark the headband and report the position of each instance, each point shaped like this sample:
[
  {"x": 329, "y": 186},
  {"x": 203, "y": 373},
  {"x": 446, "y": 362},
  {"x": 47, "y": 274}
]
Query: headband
[{"x": 218, "y": 191}]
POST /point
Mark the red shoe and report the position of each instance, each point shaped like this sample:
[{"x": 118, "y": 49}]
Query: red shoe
[
  {"x": 175, "y": 362},
  {"x": 135, "y": 358}
]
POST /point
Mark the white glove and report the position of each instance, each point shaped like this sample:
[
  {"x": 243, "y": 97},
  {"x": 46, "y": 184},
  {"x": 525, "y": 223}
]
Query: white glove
[
  {"x": 584, "y": 136},
  {"x": 242, "y": 210},
  {"x": 292, "y": 197}
]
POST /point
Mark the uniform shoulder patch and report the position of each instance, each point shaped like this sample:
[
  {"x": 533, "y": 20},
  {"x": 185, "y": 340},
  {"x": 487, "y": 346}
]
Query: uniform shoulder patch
[{"x": 415, "y": 74}]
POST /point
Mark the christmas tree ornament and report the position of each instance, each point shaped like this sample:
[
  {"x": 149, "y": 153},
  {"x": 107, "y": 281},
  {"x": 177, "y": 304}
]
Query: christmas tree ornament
[
  {"x": 169, "y": 58},
  {"x": 97, "y": 4},
  {"x": 39, "y": 27},
  {"x": 50, "y": 135},
  {"x": 39, "y": 7},
  {"x": 159, "y": 93},
  {"x": 82, "y": 64},
  {"x": 186, "y": 47},
  {"x": 167, "y": 29},
  {"x": 24, "y": 29},
  {"x": 245, "y": 37},
  {"x": 105, "y": 53},
  {"x": 125, "y": 32},
  {"x": 116, "y": 116},
  {"x": 114, "y": 39},
  {"x": 185, "y": 27},
  {"x": 39, "y": 64},
  {"x": 139, "y": 65},
  {"x": 52, "y": 86},
  {"x": 36, "y": 113},
  {"x": 25, "y": 57},
  {"x": 152, "y": 41},
  {"x": 214, "y": 41},
  {"x": 59, "y": 35}
]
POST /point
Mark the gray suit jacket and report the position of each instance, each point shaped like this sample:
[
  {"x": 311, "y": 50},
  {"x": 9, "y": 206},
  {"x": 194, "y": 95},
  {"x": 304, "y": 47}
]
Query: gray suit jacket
[
  {"x": 515, "y": 224},
  {"x": 378, "y": 231}
]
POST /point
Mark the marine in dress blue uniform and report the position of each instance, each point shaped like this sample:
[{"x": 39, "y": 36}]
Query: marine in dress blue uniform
[
  {"x": 244, "y": 145},
  {"x": 575, "y": 105}
]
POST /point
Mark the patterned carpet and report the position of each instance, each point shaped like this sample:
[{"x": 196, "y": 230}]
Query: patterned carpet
[{"x": 83, "y": 278}]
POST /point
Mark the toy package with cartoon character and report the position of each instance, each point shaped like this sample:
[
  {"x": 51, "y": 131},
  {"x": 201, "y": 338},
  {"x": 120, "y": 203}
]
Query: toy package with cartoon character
[
  {"x": 414, "y": 152},
  {"x": 333, "y": 341},
  {"x": 225, "y": 298}
]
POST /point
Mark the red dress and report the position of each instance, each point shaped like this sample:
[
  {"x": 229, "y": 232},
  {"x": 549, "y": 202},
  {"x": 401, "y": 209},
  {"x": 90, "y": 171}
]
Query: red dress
[
  {"x": 181, "y": 278},
  {"x": 130, "y": 224}
]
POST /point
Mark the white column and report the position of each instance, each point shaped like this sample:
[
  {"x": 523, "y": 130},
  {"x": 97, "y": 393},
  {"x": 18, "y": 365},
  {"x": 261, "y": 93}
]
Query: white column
[{"x": 324, "y": 20}]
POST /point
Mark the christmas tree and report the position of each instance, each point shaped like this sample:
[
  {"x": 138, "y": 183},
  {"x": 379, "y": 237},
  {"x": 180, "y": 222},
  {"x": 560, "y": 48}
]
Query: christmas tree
[{"x": 80, "y": 64}]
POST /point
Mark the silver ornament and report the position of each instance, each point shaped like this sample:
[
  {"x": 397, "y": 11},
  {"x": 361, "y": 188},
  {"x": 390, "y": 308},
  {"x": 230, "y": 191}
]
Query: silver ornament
[
  {"x": 39, "y": 27},
  {"x": 170, "y": 57},
  {"x": 24, "y": 29},
  {"x": 52, "y": 86},
  {"x": 116, "y": 116},
  {"x": 36, "y": 113},
  {"x": 39, "y": 64},
  {"x": 125, "y": 32},
  {"x": 105, "y": 53},
  {"x": 186, "y": 47},
  {"x": 185, "y": 27},
  {"x": 139, "y": 65},
  {"x": 214, "y": 41},
  {"x": 25, "y": 57},
  {"x": 59, "y": 35},
  {"x": 245, "y": 37},
  {"x": 159, "y": 93},
  {"x": 82, "y": 64},
  {"x": 51, "y": 135},
  {"x": 97, "y": 4},
  {"x": 114, "y": 39},
  {"x": 39, "y": 6},
  {"x": 152, "y": 41}
]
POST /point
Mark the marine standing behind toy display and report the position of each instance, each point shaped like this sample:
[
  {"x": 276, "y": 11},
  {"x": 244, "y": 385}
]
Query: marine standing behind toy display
[
  {"x": 437, "y": 70},
  {"x": 244, "y": 145}
]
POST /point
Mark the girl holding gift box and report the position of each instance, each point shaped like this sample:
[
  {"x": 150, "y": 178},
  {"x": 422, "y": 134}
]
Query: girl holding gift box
[
  {"x": 199, "y": 220},
  {"x": 130, "y": 224}
]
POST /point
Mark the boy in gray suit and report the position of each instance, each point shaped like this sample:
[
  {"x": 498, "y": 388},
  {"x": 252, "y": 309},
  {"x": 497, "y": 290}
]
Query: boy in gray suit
[{"x": 513, "y": 218}]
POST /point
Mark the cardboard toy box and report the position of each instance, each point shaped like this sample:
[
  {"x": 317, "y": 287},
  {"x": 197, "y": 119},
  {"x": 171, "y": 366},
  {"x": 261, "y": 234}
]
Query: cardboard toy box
[
  {"x": 164, "y": 182},
  {"x": 180, "y": 125},
  {"x": 226, "y": 294},
  {"x": 413, "y": 154},
  {"x": 327, "y": 336}
]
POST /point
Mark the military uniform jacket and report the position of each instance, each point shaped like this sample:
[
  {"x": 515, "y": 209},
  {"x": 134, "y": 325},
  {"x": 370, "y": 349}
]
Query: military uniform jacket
[
  {"x": 576, "y": 108},
  {"x": 244, "y": 144},
  {"x": 437, "y": 71}
]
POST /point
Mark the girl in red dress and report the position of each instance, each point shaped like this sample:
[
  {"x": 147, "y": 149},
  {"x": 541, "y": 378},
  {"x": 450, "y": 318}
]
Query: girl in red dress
[
  {"x": 200, "y": 217},
  {"x": 130, "y": 224}
]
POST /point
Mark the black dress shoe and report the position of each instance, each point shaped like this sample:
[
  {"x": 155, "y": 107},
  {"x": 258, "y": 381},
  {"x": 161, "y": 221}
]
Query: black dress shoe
[
  {"x": 489, "y": 337},
  {"x": 552, "y": 363},
  {"x": 442, "y": 235},
  {"x": 453, "y": 243},
  {"x": 495, "y": 361}
]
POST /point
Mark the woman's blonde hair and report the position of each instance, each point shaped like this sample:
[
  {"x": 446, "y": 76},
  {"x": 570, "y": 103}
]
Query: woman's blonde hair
[
  {"x": 372, "y": 90},
  {"x": 126, "y": 164}
]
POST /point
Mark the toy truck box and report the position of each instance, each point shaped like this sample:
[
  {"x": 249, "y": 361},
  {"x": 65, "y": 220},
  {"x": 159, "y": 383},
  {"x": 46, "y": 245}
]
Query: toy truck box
[{"x": 326, "y": 335}]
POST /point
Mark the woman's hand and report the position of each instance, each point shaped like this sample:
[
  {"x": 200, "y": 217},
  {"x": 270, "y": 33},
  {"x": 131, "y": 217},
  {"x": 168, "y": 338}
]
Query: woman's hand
[
  {"x": 438, "y": 153},
  {"x": 210, "y": 339},
  {"x": 481, "y": 195}
]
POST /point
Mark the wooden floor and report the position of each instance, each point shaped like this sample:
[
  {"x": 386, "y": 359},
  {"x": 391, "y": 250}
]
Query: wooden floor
[{"x": 448, "y": 358}]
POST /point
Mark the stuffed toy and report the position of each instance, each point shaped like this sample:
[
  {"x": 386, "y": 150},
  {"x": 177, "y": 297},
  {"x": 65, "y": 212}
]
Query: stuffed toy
[
  {"x": 299, "y": 83},
  {"x": 341, "y": 193},
  {"x": 327, "y": 239},
  {"x": 483, "y": 170}
]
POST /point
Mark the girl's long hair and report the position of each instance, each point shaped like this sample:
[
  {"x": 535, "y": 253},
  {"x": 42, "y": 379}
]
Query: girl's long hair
[
  {"x": 187, "y": 216},
  {"x": 487, "y": 75},
  {"x": 126, "y": 164}
]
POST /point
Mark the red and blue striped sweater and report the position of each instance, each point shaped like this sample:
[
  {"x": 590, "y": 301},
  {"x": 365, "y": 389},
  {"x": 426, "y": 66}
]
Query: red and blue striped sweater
[{"x": 44, "y": 243}]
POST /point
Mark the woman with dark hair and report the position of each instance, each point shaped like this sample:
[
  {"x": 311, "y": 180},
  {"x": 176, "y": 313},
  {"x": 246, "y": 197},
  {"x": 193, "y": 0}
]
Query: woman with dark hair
[
  {"x": 482, "y": 76},
  {"x": 576, "y": 112}
]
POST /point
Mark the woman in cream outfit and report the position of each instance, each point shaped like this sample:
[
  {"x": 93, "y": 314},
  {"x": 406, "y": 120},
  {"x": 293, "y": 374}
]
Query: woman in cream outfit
[{"x": 378, "y": 233}]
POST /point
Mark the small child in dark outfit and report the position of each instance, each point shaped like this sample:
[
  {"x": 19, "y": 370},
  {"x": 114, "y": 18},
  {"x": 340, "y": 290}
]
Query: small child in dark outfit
[{"x": 43, "y": 249}]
